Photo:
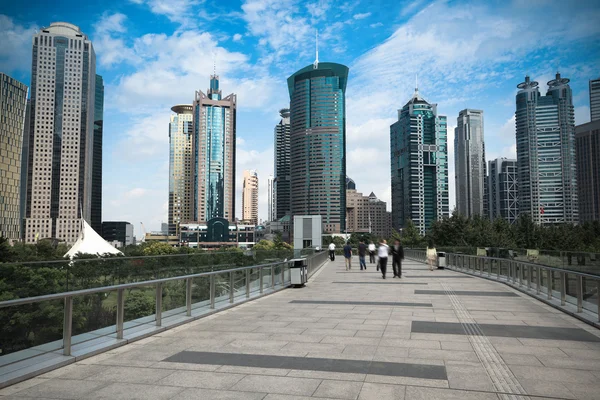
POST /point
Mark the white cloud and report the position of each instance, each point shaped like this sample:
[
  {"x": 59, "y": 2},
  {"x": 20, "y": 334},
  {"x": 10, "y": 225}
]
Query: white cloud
[
  {"x": 237, "y": 37},
  {"x": 361, "y": 15},
  {"x": 376, "y": 25},
  {"x": 175, "y": 10},
  {"x": 109, "y": 41},
  {"x": 135, "y": 193},
  {"x": 15, "y": 45}
]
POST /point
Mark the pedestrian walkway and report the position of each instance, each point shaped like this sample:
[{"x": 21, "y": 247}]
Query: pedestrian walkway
[{"x": 352, "y": 335}]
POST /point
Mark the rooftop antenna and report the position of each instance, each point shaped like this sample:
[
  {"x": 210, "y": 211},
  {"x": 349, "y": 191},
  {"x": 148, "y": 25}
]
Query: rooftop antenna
[
  {"x": 416, "y": 83},
  {"x": 316, "y": 64}
]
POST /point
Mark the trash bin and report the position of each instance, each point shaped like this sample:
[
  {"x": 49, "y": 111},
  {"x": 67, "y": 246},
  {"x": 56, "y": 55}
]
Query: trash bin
[
  {"x": 441, "y": 258},
  {"x": 298, "y": 272}
]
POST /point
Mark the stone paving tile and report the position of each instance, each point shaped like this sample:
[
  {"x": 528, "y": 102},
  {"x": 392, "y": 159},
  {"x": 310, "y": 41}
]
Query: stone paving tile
[
  {"x": 544, "y": 388},
  {"x": 401, "y": 380},
  {"x": 338, "y": 389},
  {"x": 130, "y": 374},
  {"x": 521, "y": 359},
  {"x": 562, "y": 375},
  {"x": 422, "y": 393},
  {"x": 468, "y": 377},
  {"x": 62, "y": 389},
  {"x": 380, "y": 391},
  {"x": 132, "y": 391},
  {"x": 7, "y": 391},
  {"x": 202, "y": 394},
  {"x": 339, "y": 376},
  {"x": 277, "y": 384},
  {"x": 591, "y": 365},
  {"x": 201, "y": 379}
]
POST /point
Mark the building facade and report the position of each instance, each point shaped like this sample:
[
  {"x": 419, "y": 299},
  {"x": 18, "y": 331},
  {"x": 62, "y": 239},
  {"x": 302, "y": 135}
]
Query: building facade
[
  {"x": 119, "y": 232},
  {"x": 282, "y": 188},
  {"x": 272, "y": 199},
  {"x": 217, "y": 233},
  {"x": 24, "y": 169},
  {"x": 96, "y": 217},
  {"x": 59, "y": 181},
  {"x": 213, "y": 147},
  {"x": 181, "y": 174},
  {"x": 587, "y": 139},
  {"x": 250, "y": 197},
  {"x": 595, "y": 100},
  {"x": 367, "y": 214},
  {"x": 469, "y": 163},
  {"x": 318, "y": 143},
  {"x": 419, "y": 165},
  {"x": 545, "y": 133},
  {"x": 13, "y": 105},
  {"x": 503, "y": 189}
]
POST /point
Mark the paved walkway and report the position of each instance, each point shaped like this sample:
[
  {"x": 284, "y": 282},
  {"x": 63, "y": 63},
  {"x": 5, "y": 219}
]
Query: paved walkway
[{"x": 352, "y": 335}]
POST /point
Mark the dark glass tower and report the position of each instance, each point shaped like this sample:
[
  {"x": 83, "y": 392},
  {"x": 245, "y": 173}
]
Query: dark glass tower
[
  {"x": 96, "y": 216},
  {"x": 318, "y": 143},
  {"x": 282, "y": 166},
  {"x": 546, "y": 152},
  {"x": 419, "y": 165}
]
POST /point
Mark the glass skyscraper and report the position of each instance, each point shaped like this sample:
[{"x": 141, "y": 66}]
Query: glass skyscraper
[
  {"x": 546, "y": 152},
  {"x": 587, "y": 139},
  {"x": 282, "y": 167},
  {"x": 180, "y": 167},
  {"x": 318, "y": 143},
  {"x": 419, "y": 165},
  {"x": 214, "y": 154},
  {"x": 503, "y": 190},
  {"x": 469, "y": 163},
  {"x": 595, "y": 100},
  {"x": 96, "y": 217}
]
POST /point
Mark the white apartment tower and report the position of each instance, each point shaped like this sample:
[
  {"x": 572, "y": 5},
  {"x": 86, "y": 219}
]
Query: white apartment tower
[
  {"x": 272, "y": 199},
  {"x": 250, "y": 197},
  {"x": 61, "y": 134}
]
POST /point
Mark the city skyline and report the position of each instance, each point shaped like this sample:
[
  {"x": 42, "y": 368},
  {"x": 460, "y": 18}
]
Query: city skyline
[{"x": 480, "y": 81}]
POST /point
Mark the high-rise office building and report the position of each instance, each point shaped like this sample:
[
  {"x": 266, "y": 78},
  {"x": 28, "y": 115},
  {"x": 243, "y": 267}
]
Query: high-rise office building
[
  {"x": 503, "y": 190},
  {"x": 272, "y": 202},
  {"x": 419, "y": 165},
  {"x": 13, "y": 104},
  {"x": 181, "y": 173},
  {"x": 24, "y": 169},
  {"x": 214, "y": 154},
  {"x": 546, "y": 152},
  {"x": 59, "y": 182},
  {"x": 282, "y": 167},
  {"x": 318, "y": 143},
  {"x": 587, "y": 139},
  {"x": 250, "y": 197},
  {"x": 118, "y": 231},
  {"x": 96, "y": 218},
  {"x": 366, "y": 214},
  {"x": 595, "y": 99},
  {"x": 469, "y": 163}
]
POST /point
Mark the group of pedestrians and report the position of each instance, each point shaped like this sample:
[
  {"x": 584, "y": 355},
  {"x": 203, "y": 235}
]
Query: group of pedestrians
[{"x": 383, "y": 252}]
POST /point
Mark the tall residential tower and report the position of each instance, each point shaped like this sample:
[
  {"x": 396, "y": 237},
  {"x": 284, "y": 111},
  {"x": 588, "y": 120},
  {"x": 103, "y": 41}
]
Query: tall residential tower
[
  {"x": 469, "y": 163},
  {"x": 595, "y": 100},
  {"x": 419, "y": 165},
  {"x": 546, "y": 152},
  {"x": 318, "y": 143},
  {"x": 282, "y": 167},
  {"x": 250, "y": 197},
  {"x": 96, "y": 217},
  {"x": 271, "y": 201},
  {"x": 587, "y": 139},
  {"x": 59, "y": 182}
]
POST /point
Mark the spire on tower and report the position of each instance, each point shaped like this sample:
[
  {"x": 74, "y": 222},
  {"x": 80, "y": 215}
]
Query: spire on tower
[
  {"x": 416, "y": 83},
  {"x": 316, "y": 64}
]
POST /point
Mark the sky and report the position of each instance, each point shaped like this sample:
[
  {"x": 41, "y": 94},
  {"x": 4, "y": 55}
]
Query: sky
[{"x": 154, "y": 54}]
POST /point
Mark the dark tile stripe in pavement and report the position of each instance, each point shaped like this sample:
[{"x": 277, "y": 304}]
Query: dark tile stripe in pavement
[
  {"x": 469, "y": 293},
  {"x": 385, "y": 283},
  {"x": 518, "y": 331},
  {"x": 439, "y": 276},
  {"x": 422, "y": 371},
  {"x": 362, "y": 303}
]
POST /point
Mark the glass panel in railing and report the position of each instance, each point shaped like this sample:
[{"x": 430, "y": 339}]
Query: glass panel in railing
[
  {"x": 571, "y": 288},
  {"x": 266, "y": 277},
  {"x": 277, "y": 272},
  {"x": 590, "y": 294},
  {"x": 173, "y": 298},
  {"x": 200, "y": 294},
  {"x": 556, "y": 284},
  {"x": 21, "y": 280},
  {"x": 254, "y": 281},
  {"x": 96, "y": 316},
  {"x": 239, "y": 284},
  {"x": 31, "y": 329},
  {"x": 139, "y": 307},
  {"x": 222, "y": 285}
]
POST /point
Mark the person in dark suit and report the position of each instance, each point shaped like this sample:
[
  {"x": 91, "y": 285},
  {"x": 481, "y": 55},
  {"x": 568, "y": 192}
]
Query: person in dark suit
[{"x": 397, "y": 257}]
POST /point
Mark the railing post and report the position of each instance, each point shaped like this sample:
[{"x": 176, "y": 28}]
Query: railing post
[
  {"x": 188, "y": 297},
  {"x": 498, "y": 267},
  {"x": 212, "y": 291},
  {"x": 120, "y": 312},
  {"x": 539, "y": 279},
  {"x": 520, "y": 275},
  {"x": 260, "y": 278},
  {"x": 530, "y": 274},
  {"x": 579, "y": 293},
  {"x": 550, "y": 276},
  {"x": 283, "y": 274},
  {"x": 598, "y": 297},
  {"x": 272, "y": 277},
  {"x": 158, "y": 304},
  {"x": 563, "y": 289},
  {"x": 248, "y": 283},
  {"x": 231, "y": 288},
  {"x": 67, "y": 325}
]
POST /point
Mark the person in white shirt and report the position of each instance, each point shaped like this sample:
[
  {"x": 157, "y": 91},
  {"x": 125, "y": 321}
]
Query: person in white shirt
[
  {"x": 332, "y": 251},
  {"x": 431, "y": 255},
  {"x": 371, "y": 253},
  {"x": 382, "y": 254}
]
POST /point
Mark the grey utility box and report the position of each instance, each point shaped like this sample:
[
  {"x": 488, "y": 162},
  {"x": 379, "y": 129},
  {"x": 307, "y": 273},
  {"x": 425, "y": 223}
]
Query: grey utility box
[
  {"x": 299, "y": 272},
  {"x": 441, "y": 256}
]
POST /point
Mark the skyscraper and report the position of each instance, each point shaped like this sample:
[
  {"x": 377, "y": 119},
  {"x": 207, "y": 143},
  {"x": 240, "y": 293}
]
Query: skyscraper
[
  {"x": 59, "y": 182},
  {"x": 595, "y": 99},
  {"x": 282, "y": 166},
  {"x": 250, "y": 197},
  {"x": 272, "y": 205},
  {"x": 366, "y": 214},
  {"x": 587, "y": 139},
  {"x": 419, "y": 165},
  {"x": 181, "y": 173},
  {"x": 469, "y": 163},
  {"x": 13, "y": 102},
  {"x": 503, "y": 190},
  {"x": 96, "y": 219},
  {"x": 318, "y": 143},
  {"x": 214, "y": 154},
  {"x": 24, "y": 169},
  {"x": 546, "y": 152}
]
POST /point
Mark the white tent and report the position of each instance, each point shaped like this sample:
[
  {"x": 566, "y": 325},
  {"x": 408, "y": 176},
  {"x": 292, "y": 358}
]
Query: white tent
[{"x": 89, "y": 242}]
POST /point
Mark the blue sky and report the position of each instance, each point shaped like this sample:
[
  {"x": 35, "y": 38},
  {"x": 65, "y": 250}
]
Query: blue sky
[{"x": 154, "y": 54}]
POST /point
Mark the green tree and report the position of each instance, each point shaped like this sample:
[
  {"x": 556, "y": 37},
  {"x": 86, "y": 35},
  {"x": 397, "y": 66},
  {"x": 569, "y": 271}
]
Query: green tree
[
  {"x": 159, "y": 248},
  {"x": 411, "y": 237}
]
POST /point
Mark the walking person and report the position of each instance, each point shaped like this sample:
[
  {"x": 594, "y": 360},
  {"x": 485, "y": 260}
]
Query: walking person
[
  {"x": 431, "y": 254},
  {"x": 397, "y": 257},
  {"x": 372, "y": 253},
  {"x": 332, "y": 251},
  {"x": 348, "y": 255},
  {"x": 362, "y": 252},
  {"x": 382, "y": 255}
]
